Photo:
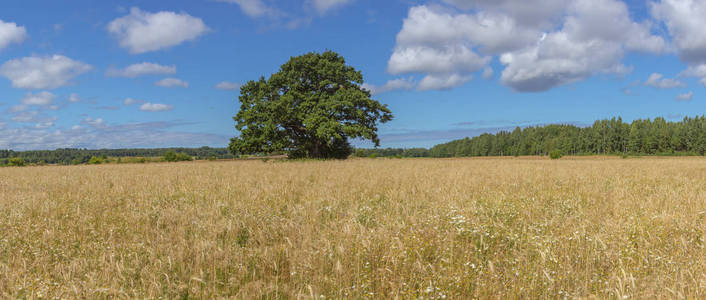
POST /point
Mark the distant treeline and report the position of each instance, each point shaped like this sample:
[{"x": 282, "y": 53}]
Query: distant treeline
[
  {"x": 392, "y": 152},
  {"x": 82, "y": 156},
  {"x": 613, "y": 136}
]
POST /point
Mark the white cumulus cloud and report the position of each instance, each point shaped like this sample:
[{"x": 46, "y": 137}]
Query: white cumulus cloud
[
  {"x": 37, "y": 72},
  {"x": 141, "y": 31},
  {"x": 587, "y": 44},
  {"x": 155, "y": 107},
  {"x": 141, "y": 69},
  {"x": 542, "y": 44},
  {"x": 422, "y": 59},
  {"x": 528, "y": 13},
  {"x": 685, "y": 22},
  {"x": 493, "y": 32},
  {"x": 172, "y": 82},
  {"x": 11, "y": 33}
]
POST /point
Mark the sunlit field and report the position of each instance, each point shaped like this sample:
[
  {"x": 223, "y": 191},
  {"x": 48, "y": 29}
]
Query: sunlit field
[{"x": 361, "y": 228}]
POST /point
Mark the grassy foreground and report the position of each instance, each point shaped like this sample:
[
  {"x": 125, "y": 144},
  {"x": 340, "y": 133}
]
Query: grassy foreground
[{"x": 431, "y": 228}]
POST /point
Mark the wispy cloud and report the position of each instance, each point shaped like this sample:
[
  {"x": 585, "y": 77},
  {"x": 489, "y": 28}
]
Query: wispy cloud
[
  {"x": 130, "y": 101},
  {"x": 141, "y": 69},
  {"x": 96, "y": 133},
  {"x": 279, "y": 16},
  {"x": 172, "y": 83},
  {"x": 155, "y": 107},
  {"x": 392, "y": 85},
  {"x": 657, "y": 80},
  {"x": 685, "y": 97},
  {"x": 228, "y": 86}
]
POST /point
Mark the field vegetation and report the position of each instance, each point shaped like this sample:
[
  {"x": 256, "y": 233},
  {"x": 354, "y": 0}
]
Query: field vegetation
[
  {"x": 84, "y": 156},
  {"x": 362, "y": 228}
]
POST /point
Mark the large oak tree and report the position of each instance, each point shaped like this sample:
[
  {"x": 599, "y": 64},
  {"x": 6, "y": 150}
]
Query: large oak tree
[{"x": 310, "y": 108}]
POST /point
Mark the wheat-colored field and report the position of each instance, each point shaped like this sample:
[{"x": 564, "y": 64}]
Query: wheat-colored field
[{"x": 362, "y": 228}]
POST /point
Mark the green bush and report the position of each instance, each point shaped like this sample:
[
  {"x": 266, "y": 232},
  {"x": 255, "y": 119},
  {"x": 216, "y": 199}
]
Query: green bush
[
  {"x": 555, "y": 154},
  {"x": 172, "y": 156},
  {"x": 95, "y": 160},
  {"x": 16, "y": 162}
]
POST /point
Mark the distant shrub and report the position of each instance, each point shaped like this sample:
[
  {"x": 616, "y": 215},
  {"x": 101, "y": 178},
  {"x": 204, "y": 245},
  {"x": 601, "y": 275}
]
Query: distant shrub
[
  {"x": 16, "y": 162},
  {"x": 359, "y": 153},
  {"x": 172, "y": 156},
  {"x": 184, "y": 157},
  {"x": 374, "y": 155},
  {"x": 95, "y": 160},
  {"x": 555, "y": 154}
]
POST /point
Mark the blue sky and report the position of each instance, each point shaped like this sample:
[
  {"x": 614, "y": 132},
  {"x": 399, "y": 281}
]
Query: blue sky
[{"x": 116, "y": 74}]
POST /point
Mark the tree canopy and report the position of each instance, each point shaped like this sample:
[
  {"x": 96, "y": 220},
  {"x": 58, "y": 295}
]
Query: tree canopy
[{"x": 310, "y": 108}]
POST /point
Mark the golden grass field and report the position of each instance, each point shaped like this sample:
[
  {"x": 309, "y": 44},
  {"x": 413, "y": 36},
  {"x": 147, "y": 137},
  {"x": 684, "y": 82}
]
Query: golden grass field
[{"x": 362, "y": 228}]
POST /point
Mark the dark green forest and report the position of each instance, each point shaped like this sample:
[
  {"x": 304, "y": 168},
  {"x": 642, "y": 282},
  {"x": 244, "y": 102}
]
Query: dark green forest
[
  {"x": 82, "y": 156},
  {"x": 609, "y": 136}
]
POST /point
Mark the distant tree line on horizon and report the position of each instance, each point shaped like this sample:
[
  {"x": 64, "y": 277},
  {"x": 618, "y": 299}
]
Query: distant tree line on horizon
[
  {"x": 608, "y": 136},
  {"x": 71, "y": 156}
]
